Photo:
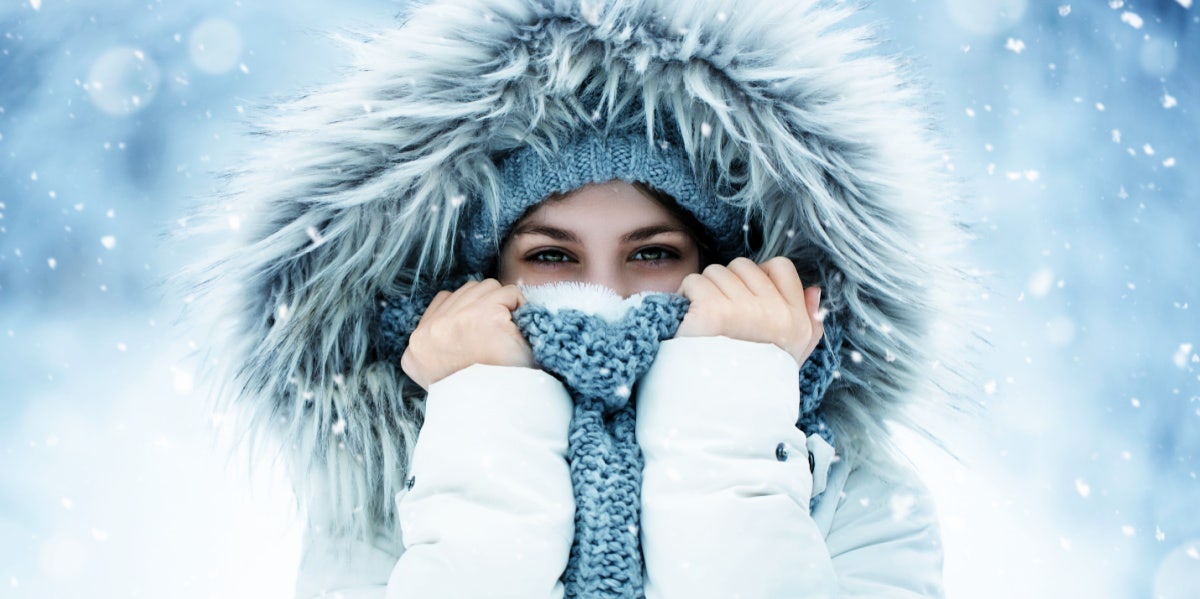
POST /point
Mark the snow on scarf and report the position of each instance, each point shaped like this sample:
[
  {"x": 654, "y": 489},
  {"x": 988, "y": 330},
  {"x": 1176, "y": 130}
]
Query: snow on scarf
[{"x": 599, "y": 345}]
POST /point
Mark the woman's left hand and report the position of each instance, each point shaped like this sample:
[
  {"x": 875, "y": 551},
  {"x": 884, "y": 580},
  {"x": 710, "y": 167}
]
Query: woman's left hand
[{"x": 765, "y": 303}]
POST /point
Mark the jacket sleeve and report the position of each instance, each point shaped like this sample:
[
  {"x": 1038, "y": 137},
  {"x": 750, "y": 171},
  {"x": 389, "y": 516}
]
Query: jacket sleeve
[
  {"x": 884, "y": 538},
  {"x": 489, "y": 512},
  {"x": 727, "y": 486}
]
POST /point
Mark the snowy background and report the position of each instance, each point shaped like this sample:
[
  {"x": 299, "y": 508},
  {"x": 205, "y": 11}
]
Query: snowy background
[{"x": 1076, "y": 126}]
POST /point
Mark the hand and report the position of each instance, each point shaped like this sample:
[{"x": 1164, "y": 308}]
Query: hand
[
  {"x": 472, "y": 325},
  {"x": 754, "y": 302}
]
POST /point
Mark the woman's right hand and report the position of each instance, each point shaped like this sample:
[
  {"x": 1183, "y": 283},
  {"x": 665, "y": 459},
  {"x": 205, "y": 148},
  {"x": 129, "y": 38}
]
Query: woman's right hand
[{"x": 472, "y": 325}]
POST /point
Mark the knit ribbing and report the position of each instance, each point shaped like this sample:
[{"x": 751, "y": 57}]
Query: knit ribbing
[{"x": 599, "y": 362}]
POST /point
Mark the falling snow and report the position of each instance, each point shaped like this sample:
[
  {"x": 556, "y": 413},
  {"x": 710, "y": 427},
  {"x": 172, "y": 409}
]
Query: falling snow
[
  {"x": 1132, "y": 20},
  {"x": 1182, "y": 355},
  {"x": 1082, "y": 488},
  {"x": 1090, "y": 367}
]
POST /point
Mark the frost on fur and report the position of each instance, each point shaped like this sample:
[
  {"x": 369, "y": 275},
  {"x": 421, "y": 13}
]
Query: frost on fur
[{"x": 584, "y": 297}]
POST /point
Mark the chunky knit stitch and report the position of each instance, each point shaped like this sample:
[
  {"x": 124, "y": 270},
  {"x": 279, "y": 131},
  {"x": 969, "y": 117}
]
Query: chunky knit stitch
[
  {"x": 599, "y": 359},
  {"x": 599, "y": 362}
]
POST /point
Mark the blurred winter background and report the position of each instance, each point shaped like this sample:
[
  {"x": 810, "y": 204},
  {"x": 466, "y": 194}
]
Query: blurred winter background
[{"x": 1076, "y": 127}]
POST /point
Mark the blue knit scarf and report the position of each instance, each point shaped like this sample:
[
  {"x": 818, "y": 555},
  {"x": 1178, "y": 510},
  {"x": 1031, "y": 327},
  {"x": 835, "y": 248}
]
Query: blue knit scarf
[{"x": 599, "y": 360}]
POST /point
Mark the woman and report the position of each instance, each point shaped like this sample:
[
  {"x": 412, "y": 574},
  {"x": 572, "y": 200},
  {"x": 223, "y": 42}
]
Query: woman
[{"x": 767, "y": 162}]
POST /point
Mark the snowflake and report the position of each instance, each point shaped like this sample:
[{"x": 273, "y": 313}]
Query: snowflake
[
  {"x": 1181, "y": 355},
  {"x": 1082, "y": 488},
  {"x": 1132, "y": 19}
]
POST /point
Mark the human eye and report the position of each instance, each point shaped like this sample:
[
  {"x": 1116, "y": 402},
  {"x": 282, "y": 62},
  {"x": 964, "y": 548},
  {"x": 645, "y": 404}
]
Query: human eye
[
  {"x": 654, "y": 254},
  {"x": 548, "y": 256}
]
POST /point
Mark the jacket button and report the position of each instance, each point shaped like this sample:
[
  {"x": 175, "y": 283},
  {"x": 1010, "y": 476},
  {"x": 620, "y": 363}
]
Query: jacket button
[
  {"x": 781, "y": 452},
  {"x": 410, "y": 483},
  {"x": 812, "y": 463}
]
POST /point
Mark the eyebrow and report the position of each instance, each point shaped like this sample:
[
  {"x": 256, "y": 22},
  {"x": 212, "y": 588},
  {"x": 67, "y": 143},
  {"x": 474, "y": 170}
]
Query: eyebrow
[
  {"x": 566, "y": 236},
  {"x": 647, "y": 232},
  {"x": 548, "y": 231}
]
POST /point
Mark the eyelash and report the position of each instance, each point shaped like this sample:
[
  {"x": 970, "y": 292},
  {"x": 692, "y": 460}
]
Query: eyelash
[
  {"x": 538, "y": 256},
  {"x": 665, "y": 253}
]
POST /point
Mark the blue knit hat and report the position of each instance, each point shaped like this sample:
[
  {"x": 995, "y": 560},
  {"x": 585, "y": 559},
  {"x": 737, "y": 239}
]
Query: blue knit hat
[{"x": 529, "y": 176}]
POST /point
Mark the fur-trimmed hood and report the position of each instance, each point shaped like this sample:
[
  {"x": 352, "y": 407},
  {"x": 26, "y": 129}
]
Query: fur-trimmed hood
[{"x": 357, "y": 191}]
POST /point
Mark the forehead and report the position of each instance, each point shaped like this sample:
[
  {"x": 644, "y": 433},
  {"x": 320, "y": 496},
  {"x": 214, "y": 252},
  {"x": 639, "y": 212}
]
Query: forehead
[{"x": 601, "y": 205}]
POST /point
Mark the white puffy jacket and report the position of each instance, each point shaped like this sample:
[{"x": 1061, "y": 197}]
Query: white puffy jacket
[{"x": 725, "y": 496}]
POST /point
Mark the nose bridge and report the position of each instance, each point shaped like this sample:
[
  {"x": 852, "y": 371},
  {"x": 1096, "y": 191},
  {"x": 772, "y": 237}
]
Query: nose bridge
[{"x": 608, "y": 274}]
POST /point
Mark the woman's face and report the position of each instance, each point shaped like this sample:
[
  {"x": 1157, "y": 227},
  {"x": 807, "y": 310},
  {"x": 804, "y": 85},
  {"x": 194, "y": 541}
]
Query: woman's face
[{"x": 610, "y": 234}]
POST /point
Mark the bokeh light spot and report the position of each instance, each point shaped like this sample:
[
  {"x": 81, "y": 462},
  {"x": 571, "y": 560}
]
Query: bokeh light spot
[
  {"x": 215, "y": 46},
  {"x": 123, "y": 80}
]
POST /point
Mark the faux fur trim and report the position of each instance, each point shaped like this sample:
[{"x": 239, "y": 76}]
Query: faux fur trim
[{"x": 356, "y": 192}]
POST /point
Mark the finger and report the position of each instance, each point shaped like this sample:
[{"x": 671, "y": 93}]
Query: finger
[
  {"x": 754, "y": 278},
  {"x": 702, "y": 318},
  {"x": 812, "y": 301},
  {"x": 783, "y": 275},
  {"x": 812, "y": 297},
  {"x": 697, "y": 287},
  {"x": 729, "y": 284},
  {"x": 817, "y": 334},
  {"x": 436, "y": 303},
  {"x": 509, "y": 296},
  {"x": 471, "y": 292},
  {"x": 456, "y": 295}
]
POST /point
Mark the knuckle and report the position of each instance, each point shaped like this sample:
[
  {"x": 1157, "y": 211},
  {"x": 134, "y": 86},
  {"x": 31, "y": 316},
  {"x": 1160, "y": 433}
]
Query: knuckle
[{"x": 781, "y": 265}]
